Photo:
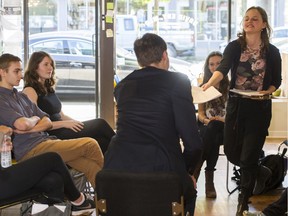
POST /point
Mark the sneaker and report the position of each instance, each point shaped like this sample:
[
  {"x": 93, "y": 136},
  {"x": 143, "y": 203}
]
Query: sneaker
[
  {"x": 87, "y": 207},
  {"x": 246, "y": 213}
]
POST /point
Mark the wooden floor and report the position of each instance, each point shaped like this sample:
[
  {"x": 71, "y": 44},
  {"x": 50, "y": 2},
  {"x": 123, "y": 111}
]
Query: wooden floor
[{"x": 224, "y": 204}]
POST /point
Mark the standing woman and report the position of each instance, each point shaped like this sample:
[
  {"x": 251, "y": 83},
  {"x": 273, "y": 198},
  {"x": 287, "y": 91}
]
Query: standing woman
[
  {"x": 39, "y": 83},
  {"x": 211, "y": 116},
  {"x": 255, "y": 65}
]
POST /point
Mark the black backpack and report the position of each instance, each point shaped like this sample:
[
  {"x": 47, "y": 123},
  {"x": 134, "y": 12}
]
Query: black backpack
[{"x": 277, "y": 163}]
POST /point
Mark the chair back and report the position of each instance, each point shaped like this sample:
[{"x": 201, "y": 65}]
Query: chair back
[{"x": 153, "y": 194}]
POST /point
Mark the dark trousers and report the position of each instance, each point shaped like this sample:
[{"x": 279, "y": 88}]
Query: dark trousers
[
  {"x": 46, "y": 173},
  {"x": 98, "y": 129},
  {"x": 212, "y": 136},
  {"x": 246, "y": 127},
  {"x": 190, "y": 195},
  {"x": 279, "y": 207}
]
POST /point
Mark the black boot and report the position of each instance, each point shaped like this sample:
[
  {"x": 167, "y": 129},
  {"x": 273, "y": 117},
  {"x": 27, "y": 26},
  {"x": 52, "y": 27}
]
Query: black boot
[
  {"x": 209, "y": 185},
  {"x": 242, "y": 204}
]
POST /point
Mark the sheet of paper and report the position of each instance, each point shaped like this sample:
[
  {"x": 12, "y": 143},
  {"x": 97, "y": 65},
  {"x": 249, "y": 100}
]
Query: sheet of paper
[
  {"x": 248, "y": 93},
  {"x": 200, "y": 96},
  {"x": 38, "y": 207}
]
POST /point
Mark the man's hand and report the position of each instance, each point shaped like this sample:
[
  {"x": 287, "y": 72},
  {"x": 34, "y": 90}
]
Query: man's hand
[
  {"x": 6, "y": 130},
  {"x": 39, "y": 125},
  {"x": 194, "y": 181}
]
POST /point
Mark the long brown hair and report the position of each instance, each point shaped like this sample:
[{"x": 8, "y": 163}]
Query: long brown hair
[
  {"x": 31, "y": 77},
  {"x": 265, "y": 33},
  {"x": 224, "y": 83}
]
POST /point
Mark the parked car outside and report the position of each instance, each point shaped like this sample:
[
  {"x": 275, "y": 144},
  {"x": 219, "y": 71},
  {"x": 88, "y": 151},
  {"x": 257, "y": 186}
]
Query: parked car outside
[
  {"x": 127, "y": 30},
  {"x": 280, "y": 32},
  {"x": 179, "y": 37},
  {"x": 73, "y": 53},
  {"x": 180, "y": 41},
  {"x": 281, "y": 43}
]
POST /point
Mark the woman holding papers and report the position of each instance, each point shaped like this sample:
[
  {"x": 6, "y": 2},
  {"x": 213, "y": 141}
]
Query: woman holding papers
[
  {"x": 255, "y": 65},
  {"x": 211, "y": 124}
]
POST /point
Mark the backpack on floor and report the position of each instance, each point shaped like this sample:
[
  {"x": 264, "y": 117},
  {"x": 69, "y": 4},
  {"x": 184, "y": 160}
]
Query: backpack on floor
[{"x": 277, "y": 164}]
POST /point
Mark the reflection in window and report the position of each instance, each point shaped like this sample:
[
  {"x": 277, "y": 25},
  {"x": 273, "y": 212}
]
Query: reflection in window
[
  {"x": 81, "y": 47},
  {"x": 49, "y": 47},
  {"x": 129, "y": 24}
]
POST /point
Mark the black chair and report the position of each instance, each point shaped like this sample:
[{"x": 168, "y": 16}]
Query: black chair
[
  {"x": 81, "y": 182},
  {"x": 20, "y": 198},
  {"x": 130, "y": 194},
  {"x": 28, "y": 196},
  {"x": 235, "y": 177}
]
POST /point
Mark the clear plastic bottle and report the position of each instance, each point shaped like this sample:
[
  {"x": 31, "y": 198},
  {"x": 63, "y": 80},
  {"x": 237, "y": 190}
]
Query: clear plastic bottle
[{"x": 6, "y": 158}]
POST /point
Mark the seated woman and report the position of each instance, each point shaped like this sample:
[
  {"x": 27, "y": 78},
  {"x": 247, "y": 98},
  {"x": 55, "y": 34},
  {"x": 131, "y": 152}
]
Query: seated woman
[
  {"x": 48, "y": 174},
  {"x": 211, "y": 124},
  {"x": 39, "y": 83}
]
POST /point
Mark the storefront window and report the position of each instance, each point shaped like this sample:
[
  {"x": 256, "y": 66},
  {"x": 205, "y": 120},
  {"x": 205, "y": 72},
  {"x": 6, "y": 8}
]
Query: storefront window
[{"x": 193, "y": 29}]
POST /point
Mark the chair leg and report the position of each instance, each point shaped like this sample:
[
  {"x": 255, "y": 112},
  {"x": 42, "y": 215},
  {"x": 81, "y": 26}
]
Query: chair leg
[{"x": 227, "y": 181}]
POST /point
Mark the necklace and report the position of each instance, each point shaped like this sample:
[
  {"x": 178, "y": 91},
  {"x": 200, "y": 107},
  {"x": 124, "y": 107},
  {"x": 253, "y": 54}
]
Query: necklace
[{"x": 253, "y": 49}]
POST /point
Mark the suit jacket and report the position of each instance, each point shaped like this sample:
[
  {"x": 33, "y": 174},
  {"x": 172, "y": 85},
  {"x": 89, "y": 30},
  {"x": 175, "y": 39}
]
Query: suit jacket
[{"x": 155, "y": 110}]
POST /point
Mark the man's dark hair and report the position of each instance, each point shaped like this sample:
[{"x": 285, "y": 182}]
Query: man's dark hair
[
  {"x": 6, "y": 59},
  {"x": 149, "y": 49}
]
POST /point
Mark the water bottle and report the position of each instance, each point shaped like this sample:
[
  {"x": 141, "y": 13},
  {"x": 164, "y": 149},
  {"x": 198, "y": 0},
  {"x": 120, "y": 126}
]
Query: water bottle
[{"x": 6, "y": 158}]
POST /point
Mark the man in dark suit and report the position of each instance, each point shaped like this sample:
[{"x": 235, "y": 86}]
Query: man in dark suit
[{"x": 155, "y": 111}]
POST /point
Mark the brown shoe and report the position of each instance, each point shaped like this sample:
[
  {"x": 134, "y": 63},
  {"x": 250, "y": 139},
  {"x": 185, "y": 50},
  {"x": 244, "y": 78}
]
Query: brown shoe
[{"x": 209, "y": 185}]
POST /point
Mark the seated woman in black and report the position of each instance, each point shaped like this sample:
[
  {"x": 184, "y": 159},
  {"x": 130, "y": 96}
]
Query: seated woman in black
[
  {"x": 46, "y": 174},
  {"x": 39, "y": 83},
  {"x": 211, "y": 117}
]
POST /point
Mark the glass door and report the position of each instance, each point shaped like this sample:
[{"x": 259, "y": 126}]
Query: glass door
[
  {"x": 11, "y": 35},
  {"x": 66, "y": 30}
]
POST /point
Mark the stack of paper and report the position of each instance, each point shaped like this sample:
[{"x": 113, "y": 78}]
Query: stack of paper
[
  {"x": 200, "y": 96},
  {"x": 248, "y": 93}
]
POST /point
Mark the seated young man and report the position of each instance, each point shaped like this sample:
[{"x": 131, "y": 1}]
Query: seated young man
[{"x": 29, "y": 124}]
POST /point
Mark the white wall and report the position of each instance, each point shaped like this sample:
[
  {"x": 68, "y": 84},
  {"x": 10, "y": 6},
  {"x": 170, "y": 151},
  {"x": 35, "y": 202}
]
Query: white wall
[
  {"x": 278, "y": 127},
  {"x": 279, "y": 122}
]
